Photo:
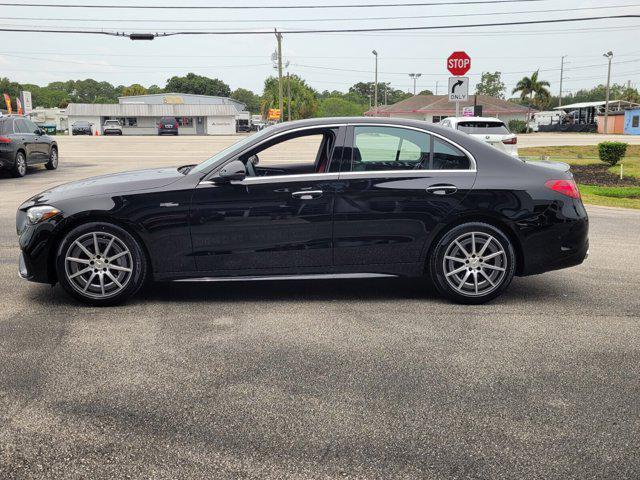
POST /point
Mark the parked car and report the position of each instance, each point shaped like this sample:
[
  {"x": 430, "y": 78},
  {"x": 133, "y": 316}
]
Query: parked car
[
  {"x": 112, "y": 127},
  {"x": 380, "y": 197},
  {"x": 488, "y": 129},
  {"x": 23, "y": 143},
  {"x": 168, "y": 125},
  {"x": 81, "y": 128}
]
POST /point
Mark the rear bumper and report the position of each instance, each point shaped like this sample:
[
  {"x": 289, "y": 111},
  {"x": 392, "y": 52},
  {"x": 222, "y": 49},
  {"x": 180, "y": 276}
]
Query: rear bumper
[
  {"x": 7, "y": 158},
  {"x": 563, "y": 242}
]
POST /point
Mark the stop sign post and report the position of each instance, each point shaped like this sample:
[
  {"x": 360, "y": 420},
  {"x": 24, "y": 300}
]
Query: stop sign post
[{"x": 458, "y": 64}]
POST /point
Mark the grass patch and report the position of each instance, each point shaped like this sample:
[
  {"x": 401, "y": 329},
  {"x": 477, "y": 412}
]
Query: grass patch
[
  {"x": 616, "y": 192},
  {"x": 586, "y": 155}
]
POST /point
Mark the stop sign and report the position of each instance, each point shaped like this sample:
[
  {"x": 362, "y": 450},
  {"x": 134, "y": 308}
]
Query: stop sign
[{"x": 458, "y": 63}]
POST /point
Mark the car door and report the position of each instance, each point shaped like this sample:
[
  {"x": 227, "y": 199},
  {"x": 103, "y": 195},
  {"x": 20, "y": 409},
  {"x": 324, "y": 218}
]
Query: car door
[
  {"x": 399, "y": 184},
  {"x": 279, "y": 220},
  {"x": 40, "y": 142},
  {"x": 27, "y": 137}
]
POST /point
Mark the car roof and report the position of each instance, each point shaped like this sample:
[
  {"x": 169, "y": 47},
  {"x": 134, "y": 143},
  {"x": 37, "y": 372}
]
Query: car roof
[{"x": 476, "y": 119}]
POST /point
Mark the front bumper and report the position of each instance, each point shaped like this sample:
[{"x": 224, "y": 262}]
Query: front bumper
[{"x": 36, "y": 242}]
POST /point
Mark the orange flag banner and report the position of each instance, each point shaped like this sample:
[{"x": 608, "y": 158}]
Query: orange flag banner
[{"x": 7, "y": 100}]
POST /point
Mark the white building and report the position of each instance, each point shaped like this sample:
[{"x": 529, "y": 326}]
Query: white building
[{"x": 139, "y": 115}]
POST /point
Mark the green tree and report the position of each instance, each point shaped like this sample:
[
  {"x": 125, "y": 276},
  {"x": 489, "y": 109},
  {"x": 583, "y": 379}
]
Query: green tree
[
  {"x": 135, "y": 89},
  {"x": 339, "y": 107},
  {"x": 426, "y": 92},
  {"x": 491, "y": 85},
  {"x": 154, "y": 89},
  {"x": 304, "y": 101},
  {"x": 250, "y": 99},
  {"x": 198, "y": 85},
  {"x": 530, "y": 87}
]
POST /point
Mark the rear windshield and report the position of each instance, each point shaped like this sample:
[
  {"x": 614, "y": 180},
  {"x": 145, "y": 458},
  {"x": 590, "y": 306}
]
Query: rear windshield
[
  {"x": 6, "y": 126},
  {"x": 168, "y": 119},
  {"x": 496, "y": 128},
  {"x": 112, "y": 122}
]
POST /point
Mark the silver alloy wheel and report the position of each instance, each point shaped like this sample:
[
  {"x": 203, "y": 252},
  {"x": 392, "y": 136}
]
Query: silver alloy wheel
[
  {"x": 98, "y": 265},
  {"x": 475, "y": 264},
  {"x": 21, "y": 164},
  {"x": 53, "y": 158}
]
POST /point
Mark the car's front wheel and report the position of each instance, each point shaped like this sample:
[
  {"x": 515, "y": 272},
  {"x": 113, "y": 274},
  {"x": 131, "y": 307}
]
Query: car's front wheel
[
  {"x": 52, "y": 164},
  {"x": 472, "y": 263},
  {"x": 101, "y": 264}
]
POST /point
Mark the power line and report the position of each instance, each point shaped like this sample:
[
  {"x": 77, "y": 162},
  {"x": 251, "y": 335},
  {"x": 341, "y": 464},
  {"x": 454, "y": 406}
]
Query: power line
[
  {"x": 289, "y": 20},
  {"x": 337, "y": 30},
  {"x": 264, "y": 7}
]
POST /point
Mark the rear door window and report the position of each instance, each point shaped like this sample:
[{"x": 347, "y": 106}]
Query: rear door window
[
  {"x": 6, "y": 126},
  {"x": 21, "y": 126},
  {"x": 483, "y": 127},
  {"x": 389, "y": 148}
]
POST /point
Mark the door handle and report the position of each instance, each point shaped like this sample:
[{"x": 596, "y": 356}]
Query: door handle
[
  {"x": 307, "y": 194},
  {"x": 442, "y": 189}
]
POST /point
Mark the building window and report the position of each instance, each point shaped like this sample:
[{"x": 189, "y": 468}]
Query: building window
[
  {"x": 185, "y": 121},
  {"x": 635, "y": 121},
  {"x": 128, "y": 121}
]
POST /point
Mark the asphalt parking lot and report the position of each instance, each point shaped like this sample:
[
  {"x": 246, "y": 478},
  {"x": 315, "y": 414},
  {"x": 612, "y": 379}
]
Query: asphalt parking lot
[{"x": 348, "y": 379}]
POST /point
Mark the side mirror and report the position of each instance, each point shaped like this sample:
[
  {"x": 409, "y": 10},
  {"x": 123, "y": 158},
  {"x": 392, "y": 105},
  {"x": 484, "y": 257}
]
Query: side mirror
[{"x": 232, "y": 171}]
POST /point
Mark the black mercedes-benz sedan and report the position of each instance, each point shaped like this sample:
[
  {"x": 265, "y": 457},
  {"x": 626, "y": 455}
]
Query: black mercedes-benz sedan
[{"x": 356, "y": 197}]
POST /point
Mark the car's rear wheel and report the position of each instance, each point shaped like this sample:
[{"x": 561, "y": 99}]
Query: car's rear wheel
[
  {"x": 52, "y": 164},
  {"x": 101, "y": 264},
  {"x": 472, "y": 263},
  {"x": 20, "y": 165}
]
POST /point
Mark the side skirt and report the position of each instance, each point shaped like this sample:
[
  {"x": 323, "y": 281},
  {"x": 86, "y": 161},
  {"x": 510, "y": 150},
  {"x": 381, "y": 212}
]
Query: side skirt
[{"x": 318, "y": 276}]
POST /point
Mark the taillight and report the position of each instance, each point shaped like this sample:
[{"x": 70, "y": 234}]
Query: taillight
[
  {"x": 5, "y": 140},
  {"x": 510, "y": 141},
  {"x": 565, "y": 187}
]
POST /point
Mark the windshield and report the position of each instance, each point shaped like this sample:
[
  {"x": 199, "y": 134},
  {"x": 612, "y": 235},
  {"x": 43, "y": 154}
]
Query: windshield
[
  {"x": 223, "y": 153},
  {"x": 495, "y": 128}
]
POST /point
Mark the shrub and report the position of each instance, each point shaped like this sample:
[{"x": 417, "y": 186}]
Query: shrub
[
  {"x": 611, "y": 152},
  {"x": 517, "y": 126}
]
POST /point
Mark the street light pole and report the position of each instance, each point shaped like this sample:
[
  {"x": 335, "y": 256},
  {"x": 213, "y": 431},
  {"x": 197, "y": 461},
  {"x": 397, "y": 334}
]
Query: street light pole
[
  {"x": 414, "y": 76},
  {"x": 609, "y": 55},
  {"x": 375, "y": 89},
  {"x": 561, "y": 76},
  {"x": 279, "y": 38}
]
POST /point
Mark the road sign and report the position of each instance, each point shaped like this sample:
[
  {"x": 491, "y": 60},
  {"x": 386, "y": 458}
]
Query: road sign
[
  {"x": 458, "y": 63},
  {"x": 467, "y": 111},
  {"x": 273, "y": 114},
  {"x": 458, "y": 89}
]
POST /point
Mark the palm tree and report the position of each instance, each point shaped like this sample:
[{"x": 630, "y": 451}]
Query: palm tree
[{"x": 529, "y": 87}]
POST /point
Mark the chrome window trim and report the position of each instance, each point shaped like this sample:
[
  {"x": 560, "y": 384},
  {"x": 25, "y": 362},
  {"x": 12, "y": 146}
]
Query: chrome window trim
[
  {"x": 474, "y": 164},
  {"x": 337, "y": 175}
]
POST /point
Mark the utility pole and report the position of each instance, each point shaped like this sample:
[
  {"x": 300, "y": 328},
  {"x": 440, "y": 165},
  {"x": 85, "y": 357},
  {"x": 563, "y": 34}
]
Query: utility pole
[
  {"x": 609, "y": 55},
  {"x": 561, "y": 76},
  {"x": 436, "y": 87},
  {"x": 375, "y": 89},
  {"x": 385, "y": 94},
  {"x": 288, "y": 96},
  {"x": 414, "y": 76},
  {"x": 279, "y": 38}
]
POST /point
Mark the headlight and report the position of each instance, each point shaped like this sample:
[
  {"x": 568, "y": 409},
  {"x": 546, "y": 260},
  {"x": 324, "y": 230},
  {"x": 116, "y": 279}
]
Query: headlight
[{"x": 41, "y": 213}]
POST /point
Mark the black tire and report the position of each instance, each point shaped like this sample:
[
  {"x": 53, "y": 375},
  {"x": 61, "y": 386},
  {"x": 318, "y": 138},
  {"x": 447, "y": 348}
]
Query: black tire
[
  {"x": 102, "y": 290},
  {"x": 472, "y": 275},
  {"x": 52, "y": 164},
  {"x": 20, "y": 165}
]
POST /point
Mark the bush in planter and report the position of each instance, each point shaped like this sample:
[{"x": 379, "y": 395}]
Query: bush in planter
[
  {"x": 611, "y": 152},
  {"x": 517, "y": 126}
]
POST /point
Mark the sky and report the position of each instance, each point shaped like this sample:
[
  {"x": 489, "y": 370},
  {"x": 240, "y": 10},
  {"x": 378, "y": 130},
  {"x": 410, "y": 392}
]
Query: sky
[{"x": 329, "y": 61}]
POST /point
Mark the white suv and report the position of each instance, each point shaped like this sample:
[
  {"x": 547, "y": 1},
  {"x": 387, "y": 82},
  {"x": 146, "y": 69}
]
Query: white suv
[
  {"x": 488, "y": 129},
  {"x": 112, "y": 127}
]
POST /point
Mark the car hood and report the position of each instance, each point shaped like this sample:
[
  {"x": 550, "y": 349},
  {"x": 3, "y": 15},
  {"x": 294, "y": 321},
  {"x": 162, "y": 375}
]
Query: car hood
[{"x": 138, "y": 180}]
